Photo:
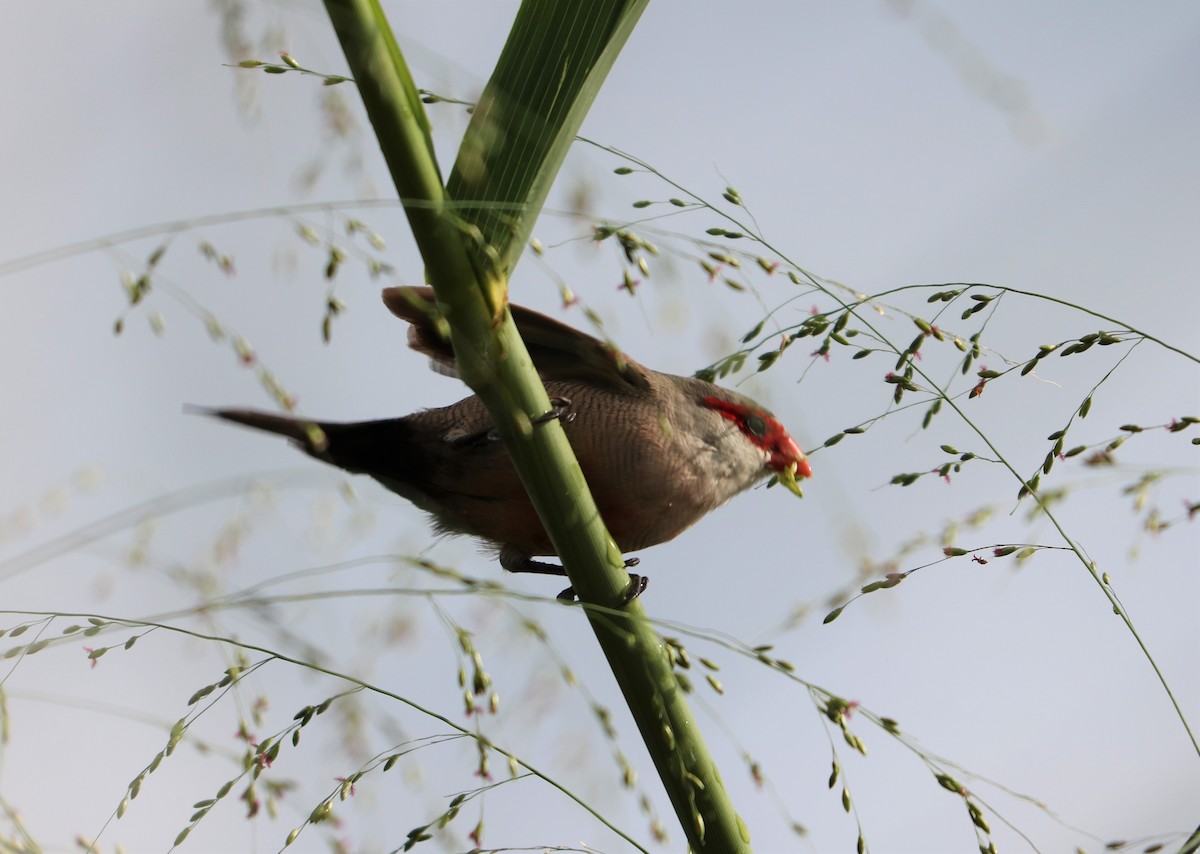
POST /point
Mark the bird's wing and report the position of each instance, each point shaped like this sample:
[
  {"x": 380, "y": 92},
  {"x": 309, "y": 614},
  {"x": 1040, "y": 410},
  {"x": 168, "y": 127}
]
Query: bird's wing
[{"x": 560, "y": 352}]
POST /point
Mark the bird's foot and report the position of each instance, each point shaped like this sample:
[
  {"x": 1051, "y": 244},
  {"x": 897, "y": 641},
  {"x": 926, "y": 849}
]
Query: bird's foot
[
  {"x": 515, "y": 561},
  {"x": 560, "y": 410},
  {"x": 637, "y": 586}
]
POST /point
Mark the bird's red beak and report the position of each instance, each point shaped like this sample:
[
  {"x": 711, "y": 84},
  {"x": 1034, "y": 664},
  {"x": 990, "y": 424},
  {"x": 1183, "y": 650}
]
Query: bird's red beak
[{"x": 788, "y": 452}]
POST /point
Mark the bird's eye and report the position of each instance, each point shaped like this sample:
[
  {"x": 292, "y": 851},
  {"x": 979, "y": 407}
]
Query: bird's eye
[{"x": 756, "y": 425}]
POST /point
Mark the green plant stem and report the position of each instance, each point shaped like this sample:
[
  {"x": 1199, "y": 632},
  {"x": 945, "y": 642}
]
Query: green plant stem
[{"x": 493, "y": 361}]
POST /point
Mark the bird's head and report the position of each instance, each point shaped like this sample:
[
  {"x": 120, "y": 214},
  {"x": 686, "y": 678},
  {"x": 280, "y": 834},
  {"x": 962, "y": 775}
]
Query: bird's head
[{"x": 764, "y": 431}]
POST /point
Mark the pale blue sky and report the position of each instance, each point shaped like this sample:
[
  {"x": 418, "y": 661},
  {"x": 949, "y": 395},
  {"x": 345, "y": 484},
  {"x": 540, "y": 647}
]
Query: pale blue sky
[{"x": 1047, "y": 147}]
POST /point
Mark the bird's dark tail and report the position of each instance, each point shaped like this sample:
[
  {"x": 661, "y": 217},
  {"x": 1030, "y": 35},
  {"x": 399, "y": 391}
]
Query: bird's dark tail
[
  {"x": 309, "y": 436},
  {"x": 377, "y": 448}
]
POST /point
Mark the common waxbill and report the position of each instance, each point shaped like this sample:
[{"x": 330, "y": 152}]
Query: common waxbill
[{"x": 658, "y": 451}]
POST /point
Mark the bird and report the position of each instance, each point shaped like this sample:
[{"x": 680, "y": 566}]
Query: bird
[{"x": 658, "y": 451}]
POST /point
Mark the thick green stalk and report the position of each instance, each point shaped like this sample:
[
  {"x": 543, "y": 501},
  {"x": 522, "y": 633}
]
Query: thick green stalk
[
  {"x": 471, "y": 288},
  {"x": 551, "y": 69}
]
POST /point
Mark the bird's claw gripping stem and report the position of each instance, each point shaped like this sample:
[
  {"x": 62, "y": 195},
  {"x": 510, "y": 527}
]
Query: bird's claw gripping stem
[
  {"x": 637, "y": 586},
  {"x": 560, "y": 410}
]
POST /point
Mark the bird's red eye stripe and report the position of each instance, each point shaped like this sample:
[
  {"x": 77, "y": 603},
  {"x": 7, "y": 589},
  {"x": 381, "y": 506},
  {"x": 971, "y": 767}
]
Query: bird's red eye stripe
[
  {"x": 766, "y": 432},
  {"x": 755, "y": 425}
]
